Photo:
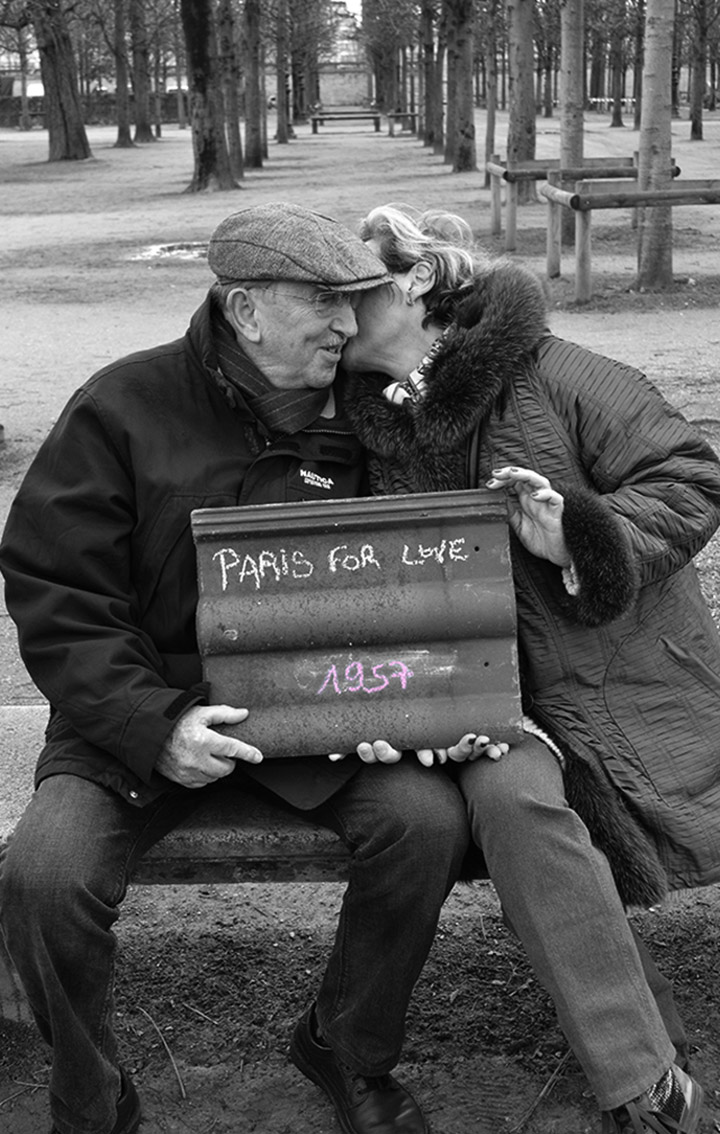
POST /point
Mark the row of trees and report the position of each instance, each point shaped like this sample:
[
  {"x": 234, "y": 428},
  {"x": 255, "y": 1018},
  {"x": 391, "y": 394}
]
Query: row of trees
[
  {"x": 511, "y": 42},
  {"x": 141, "y": 48},
  {"x": 643, "y": 35},
  {"x": 438, "y": 55}
]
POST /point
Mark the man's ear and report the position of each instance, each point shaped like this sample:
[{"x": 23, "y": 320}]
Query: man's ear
[
  {"x": 241, "y": 313},
  {"x": 421, "y": 277}
]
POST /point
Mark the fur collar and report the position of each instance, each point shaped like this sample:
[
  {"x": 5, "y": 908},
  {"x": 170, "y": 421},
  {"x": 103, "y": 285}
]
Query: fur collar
[{"x": 496, "y": 330}]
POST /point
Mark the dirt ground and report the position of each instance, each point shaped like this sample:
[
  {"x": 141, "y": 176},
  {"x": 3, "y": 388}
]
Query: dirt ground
[{"x": 211, "y": 979}]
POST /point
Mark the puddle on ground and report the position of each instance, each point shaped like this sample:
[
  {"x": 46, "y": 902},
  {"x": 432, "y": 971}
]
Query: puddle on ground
[{"x": 188, "y": 251}]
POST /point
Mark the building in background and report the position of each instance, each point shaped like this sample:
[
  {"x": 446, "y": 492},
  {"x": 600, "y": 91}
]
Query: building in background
[{"x": 344, "y": 74}]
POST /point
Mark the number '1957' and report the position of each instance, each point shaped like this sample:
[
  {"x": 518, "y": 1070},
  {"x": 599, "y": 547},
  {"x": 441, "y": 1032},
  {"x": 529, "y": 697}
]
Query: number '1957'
[{"x": 357, "y": 680}]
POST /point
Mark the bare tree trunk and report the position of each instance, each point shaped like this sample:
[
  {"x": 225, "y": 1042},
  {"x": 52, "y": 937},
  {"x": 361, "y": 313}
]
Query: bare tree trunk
[
  {"x": 299, "y": 88},
  {"x": 253, "y": 118},
  {"x": 427, "y": 27},
  {"x": 547, "y": 84},
  {"x": 230, "y": 67},
  {"x": 698, "y": 52},
  {"x": 491, "y": 78},
  {"x": 25, "y": 120},
  {"x": 617, "y": 35},
  {"x": 157, "y": 96},
  {"x": 141, "y": 72},
  {"x": 212, "y": 163},
  {"x": 464, "y": 151},
  {"x": 521, "y": 127},
  {"x": 655, "y": 228},
  {"x": 638, "y": 58},
  {"x": 439, "y": 117},
  {"x": 450, "y": 140},
  {"x": 122, "y": 92},
  {"x": 572, "y": 96},
  {"x": 179, "y": 56},
  {"x": 63, "y": 113},
  {"x": 283, "y": 133}
]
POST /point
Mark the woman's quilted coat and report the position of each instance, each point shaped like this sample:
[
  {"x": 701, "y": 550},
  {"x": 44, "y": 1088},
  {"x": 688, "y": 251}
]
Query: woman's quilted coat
[{"x": 625, "y": 676}]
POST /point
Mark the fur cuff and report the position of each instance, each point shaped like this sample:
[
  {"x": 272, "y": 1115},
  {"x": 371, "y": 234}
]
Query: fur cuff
[{"x": 602, "y": 558}]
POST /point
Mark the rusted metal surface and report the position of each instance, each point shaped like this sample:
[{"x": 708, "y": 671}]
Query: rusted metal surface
[
  {"x": 235, "y": 837},
  {"x": 340, "y": 621}
]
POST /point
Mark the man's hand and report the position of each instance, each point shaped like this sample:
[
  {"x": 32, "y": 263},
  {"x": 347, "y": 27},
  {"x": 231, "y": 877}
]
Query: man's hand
[
  {"x": 194, "y": 755},
  {"x": 535, "y": 512}
]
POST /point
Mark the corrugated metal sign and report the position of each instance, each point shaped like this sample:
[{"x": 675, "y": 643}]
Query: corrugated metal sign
[{"x": 334, "y": 622}]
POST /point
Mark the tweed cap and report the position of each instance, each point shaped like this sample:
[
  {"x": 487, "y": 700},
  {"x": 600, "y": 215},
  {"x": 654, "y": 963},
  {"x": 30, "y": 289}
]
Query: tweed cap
[{"x": 279, "y": 241}]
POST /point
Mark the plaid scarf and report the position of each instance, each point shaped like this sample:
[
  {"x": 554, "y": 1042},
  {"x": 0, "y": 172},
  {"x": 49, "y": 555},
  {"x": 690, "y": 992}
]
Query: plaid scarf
[{"x": 280, "y": 411}]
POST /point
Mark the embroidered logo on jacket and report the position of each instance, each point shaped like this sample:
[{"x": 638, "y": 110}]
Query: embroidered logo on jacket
[{"x": 314, "y": 480}]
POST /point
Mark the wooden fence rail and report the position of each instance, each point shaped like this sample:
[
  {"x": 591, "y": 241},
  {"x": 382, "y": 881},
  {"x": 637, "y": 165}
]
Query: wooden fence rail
[
  {"x": 594, "y": 194},
  {"x": 539, "y": 170}
]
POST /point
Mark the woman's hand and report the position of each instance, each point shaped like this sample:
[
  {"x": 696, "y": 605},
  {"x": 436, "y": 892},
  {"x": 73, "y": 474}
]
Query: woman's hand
[
  {"x": 535, "y": 512},
  {"x": 375, "y": 752},
  {"x": 469, "y": 747}
]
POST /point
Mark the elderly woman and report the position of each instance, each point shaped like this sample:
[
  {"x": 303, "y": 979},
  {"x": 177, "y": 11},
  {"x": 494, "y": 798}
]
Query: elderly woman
[{"x": 457, "y": 382}]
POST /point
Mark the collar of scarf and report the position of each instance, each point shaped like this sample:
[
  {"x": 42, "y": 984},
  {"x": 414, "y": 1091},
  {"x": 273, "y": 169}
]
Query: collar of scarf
[{"x": 280, "y": 411}]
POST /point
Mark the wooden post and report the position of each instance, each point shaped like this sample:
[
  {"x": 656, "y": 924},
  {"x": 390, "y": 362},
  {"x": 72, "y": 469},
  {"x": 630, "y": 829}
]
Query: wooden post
[
  {"x": 554, "y": 230},
  {"x": 511, "y": 201},
  {"x": 495, "y": 198},
  {"x": 583, "y": 264}
]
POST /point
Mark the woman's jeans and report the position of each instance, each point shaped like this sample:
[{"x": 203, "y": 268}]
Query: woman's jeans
[
  {"x": 559, "y": 897},
  {"x": 65, "y": 873}
]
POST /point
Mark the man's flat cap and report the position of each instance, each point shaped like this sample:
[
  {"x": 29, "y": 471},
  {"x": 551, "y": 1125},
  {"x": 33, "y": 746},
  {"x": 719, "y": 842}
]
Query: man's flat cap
[{"x": 279, "y": 241}]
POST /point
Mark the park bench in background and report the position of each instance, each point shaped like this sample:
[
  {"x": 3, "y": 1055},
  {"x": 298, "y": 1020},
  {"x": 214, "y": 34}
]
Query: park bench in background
[
  {"x": 322, "y": 117},
  {"x": 406, "y": 118},
  {"x": 593, "y": 194},
  {"x": 606, "y": 104}
]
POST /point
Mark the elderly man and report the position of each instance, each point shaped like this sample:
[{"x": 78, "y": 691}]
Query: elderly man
[{"x": 100, "y": 578}]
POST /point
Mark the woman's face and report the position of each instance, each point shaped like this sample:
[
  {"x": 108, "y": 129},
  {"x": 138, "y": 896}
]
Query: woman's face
[{"x": 382, "y": 317}]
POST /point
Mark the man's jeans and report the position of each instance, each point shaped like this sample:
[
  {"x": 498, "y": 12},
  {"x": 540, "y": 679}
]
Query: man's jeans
[
  {"x": 65, "y": 873},
  {"x": 559, "y": 897}
]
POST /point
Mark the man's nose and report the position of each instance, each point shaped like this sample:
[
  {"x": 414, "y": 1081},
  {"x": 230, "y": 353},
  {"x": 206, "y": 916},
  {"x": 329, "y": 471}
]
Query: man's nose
[{"x": 345, "y": 321}]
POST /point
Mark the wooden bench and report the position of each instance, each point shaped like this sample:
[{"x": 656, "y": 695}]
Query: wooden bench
[
  {"x": 236, "y": 839},
  {"x": 592, "y": 194},
  {"x": 406, "y": 118},
  {"x": 345, "y": 116}
]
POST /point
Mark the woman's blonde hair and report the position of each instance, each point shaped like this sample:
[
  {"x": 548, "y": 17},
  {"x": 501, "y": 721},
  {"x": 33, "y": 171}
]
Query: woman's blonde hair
[{"x": 405, "y": 236}]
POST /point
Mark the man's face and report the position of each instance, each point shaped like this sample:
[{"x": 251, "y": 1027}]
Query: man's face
[{"x": 303, "y": 330}]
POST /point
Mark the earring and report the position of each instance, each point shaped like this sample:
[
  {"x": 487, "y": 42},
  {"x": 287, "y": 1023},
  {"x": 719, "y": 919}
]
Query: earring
[{"x": 409, "y": 297}]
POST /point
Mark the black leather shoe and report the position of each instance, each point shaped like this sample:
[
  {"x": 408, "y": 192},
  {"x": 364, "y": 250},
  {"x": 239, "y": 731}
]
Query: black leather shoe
[
  {"x": 128, "y": 1108},
  {"x": 363, "y": 1105}
]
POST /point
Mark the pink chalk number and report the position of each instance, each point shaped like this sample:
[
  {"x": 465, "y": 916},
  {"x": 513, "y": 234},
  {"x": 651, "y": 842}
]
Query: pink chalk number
[{"x": 356, "y": 680}]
